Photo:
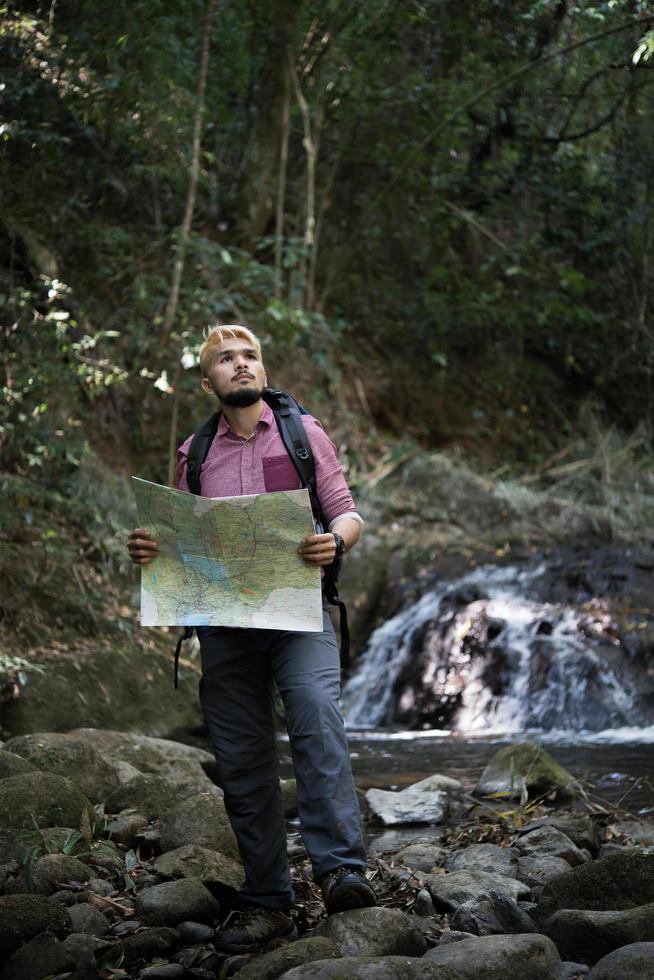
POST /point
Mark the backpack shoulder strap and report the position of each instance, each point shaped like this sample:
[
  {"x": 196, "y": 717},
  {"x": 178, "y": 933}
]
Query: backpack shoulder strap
[
  {"x": 198, "y": 450},
  {"x": 287, "y": 412}
]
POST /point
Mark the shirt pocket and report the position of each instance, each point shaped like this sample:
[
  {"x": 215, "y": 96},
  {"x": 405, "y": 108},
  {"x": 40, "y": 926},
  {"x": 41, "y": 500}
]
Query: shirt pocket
[{"x": 280, "y": 474}]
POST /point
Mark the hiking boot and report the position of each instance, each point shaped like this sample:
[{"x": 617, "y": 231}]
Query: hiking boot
[
  {"x": 254, "y": 929},
  {"x": 347, "y": 888}
]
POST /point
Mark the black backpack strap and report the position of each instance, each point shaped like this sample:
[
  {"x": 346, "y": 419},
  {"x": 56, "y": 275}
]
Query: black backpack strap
[
  {"x": 188, "y": 633},
  {"x": 331, "y": 594},
  {"x": 287, "y": 414},
  {"x": 198, "y": 450}
]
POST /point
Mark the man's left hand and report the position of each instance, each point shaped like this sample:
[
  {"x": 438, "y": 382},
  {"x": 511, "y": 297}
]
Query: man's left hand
[{"x": 318, "y": 549}]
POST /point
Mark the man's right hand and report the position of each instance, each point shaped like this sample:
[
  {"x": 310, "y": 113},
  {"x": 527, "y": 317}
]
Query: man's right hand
[{"x": 141, "y": 546}]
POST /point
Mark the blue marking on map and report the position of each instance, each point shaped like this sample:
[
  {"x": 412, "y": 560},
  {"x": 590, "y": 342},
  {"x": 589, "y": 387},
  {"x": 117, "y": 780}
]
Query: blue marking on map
[
  {"x": 195, "y": 619},
  {"x": 208, "y": 568},
  {"x": 154, "y": 577}
]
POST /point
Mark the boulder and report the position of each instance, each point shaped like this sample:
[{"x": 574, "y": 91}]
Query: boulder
[
  {"x": 620, "y": 881},
  {"x": 372, "y": 932},
  {"x": 484, "y": 857},
  {"x": 535, "y": 872},
  {"x": 275, "y": 964},
  {"x": 52, "y": 871},
  {"x": 371, "y": 968},
  {"x": 525, "y": 766},
  {"x": 43, "y": 799},
  {"x": 148, "y": 944},
  {"x": 454, "y": 936},
  {"x": 13, "y": 765},
  {"x": 87, "y": 919},
  {"x": 589, "y": 935},
  {"x": 24, "y": 916},
  {"x": 491, "y": 915},
  {"x": 176, "y": 901},
  {"x": 579, "y": 827},
  {"x": 192, "y": 861},
  {"x": 71, "y": 756},
  {"x": 44, "y": 956},
  {"x": 200, "y": 820},
  {"x": 449, "y": 891},
  {"x": 421, "y": 857},
  {"x": 147, "y": 793},
  {"x": 415, "y": 804},
  {"x": 123, "y": 829},
  {"x": 550, "y": 842},
  {"x": 500, "y": 958},
  {"x": 632, "y": 962}
]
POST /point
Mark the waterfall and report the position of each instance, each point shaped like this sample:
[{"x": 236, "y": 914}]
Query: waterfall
[{"x": 478, "y": 654}]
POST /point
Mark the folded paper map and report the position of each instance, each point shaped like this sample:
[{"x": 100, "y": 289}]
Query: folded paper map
[{"x": 228, "y": 561}]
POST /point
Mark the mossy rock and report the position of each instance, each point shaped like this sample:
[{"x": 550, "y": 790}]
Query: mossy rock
[
  {"x": 148, "y": 944},
  {"x": 52, "y": 871},
  {"x": 38, "y": 959},
  {"x": 272, "y": 965},
  {"x": 192, "y": 861},
  {"x": 13, "y": 765},
  {"x": 186, "y": 899},
  {"x": 200, "y": 820},
  {"x": 146, "y": 793},
  {"x": 43, "y": 799},
  {"x": 68, "y": 755},
  {"x": 619, "y": 881},
  {"x": 24, "y": 916},
  {"x": 525, "y": 765}
]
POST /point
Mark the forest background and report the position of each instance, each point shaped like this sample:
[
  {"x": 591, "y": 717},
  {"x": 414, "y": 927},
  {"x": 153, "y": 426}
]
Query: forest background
[{"x": 437, "y": 215}]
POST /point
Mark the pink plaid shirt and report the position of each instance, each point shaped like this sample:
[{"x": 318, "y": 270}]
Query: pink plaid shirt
[{"x": 236, "y": 466}]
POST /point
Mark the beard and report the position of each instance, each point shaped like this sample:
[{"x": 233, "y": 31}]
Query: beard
[{"x": 242, "y": 397}]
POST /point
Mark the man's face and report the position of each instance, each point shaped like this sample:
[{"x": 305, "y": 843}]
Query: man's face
[{"x": 237, "y": 375}]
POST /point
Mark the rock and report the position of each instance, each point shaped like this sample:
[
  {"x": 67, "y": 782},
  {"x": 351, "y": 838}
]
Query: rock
[
  {"x": 639, "y": 833},
  {"x": 577, "y": 826},
  {"x": 126, "y": 927},
  {"x": 192, "y": 861},
  {"x": 550, "y": 842},
  {"x": 12, "y": 847},
  {"x": 44, "y": 956},
  {"x": 423, "y": 904},
  {"x": 124, "y": 828},
  {"x": 147, "y": 793},
  {"x": 619, "y": 881},
  {"x": 51, "y": 871},
  {"x": 279, "y": 961},
  {"x": 180, "y": 764},
  {"x": 454, "y": 936},
  {"x": 589, "y": 935},
  {"x": 83, "y": 946},
  {"x": 573, "y": 971},
  {"x": 491, "y": 915},
  {"x": 289, "y": 797},
  {"x": 421, "y": 857},
  {"x": 484, "y": 857},
  {"x": 451, "y": 890},
  {"x": 69, "y": 898},
  {"x": 535, "y": 872},
  {"x": 166, "y": 971},
  {"x": 24, "y": 916},
  {"x": 633, "y": 962},
  {"x": 199, "y": 820},
  {"x": 13, "y": 765},
  {"x": 175, "y": 901},
  {"x": 411, "y": 805},
  {"x": 195, "y": 932},
  {"x": 525, "y": 765},
  {"x": 71, "y": 756},
  {"x": 371, "y": 968},
  {"x": 43, "y": 799},
  {"x": 500, "y": 958},
  {"x": 148, "y": 944},
  {"x": 86, "y": 918},
  {"x": 372, "y": 931}
]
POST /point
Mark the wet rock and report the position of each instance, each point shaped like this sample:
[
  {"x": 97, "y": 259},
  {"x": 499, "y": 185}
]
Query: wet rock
[
  {"x": 449, "y": 891},
  {"x": 195, "y": 932},
  {"x": 415, "y": 804},
  {"x": 577, "y": 826},
  {"x": 633, "y": 962},
  {"x": 535, "y": 872},
  {"x": 147, "y": 793},
  {"x": 484, "y": 857},
  {"x": 68, "y": 755},
  {"x": 371, "y": 968},
  {"x": 279, "y": 961},
  {"x": 421, "y": 857},
  {"x": 167, "y": 971},
  {"x": 192, "y": 861},
  {"x": 372, "y": 931},
  {"x": 525, "y": 765},
  {"x": 550, "y": 842},
  {"x": 492, "y": 915},
  {"x": 423, "y": 904},
  {"x": 86, "y": 918},
  {"x": 199, "y": 820},
  {"x": 500, "y": 958},
  {"x": 589, "y": 935},
  {"x": 148, "y": 944},
  {"x": 41, "y": 798},
  {"x": 176, "y": 901},
  {"x": 24, "y": 916},
  {"x": 13, "y": 765},
  {"x": 53, "y": 870},
  {"x": 619, "y": 881},
  {"x": 44, "y": 956}
]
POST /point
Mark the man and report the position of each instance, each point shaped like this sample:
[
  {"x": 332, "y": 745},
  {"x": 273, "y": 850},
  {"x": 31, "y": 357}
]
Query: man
[{"x": 239, "y": 667}]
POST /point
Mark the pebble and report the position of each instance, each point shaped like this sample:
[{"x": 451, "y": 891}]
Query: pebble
[{"x": 195, "y": 932}]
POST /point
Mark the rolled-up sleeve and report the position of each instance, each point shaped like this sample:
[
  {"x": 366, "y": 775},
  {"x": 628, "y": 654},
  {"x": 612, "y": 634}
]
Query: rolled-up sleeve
[{"x": 333, "y": 492}]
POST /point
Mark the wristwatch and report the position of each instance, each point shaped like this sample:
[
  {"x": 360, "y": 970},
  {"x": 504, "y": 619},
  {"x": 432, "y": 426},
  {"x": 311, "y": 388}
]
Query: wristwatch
[{"x": 340, "y": 551}]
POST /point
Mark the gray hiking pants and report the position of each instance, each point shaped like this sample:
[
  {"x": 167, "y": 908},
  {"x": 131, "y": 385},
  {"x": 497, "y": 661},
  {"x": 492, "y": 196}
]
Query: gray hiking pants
[{"x": 239, "y": 667}]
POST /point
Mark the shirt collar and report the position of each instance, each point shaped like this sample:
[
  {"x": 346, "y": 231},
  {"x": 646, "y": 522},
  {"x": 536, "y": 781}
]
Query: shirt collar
[{"x": 267, "y": 419}]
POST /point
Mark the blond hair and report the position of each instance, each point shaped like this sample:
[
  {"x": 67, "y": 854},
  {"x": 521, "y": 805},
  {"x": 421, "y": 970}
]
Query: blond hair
[{"x": 214, "y": 336}]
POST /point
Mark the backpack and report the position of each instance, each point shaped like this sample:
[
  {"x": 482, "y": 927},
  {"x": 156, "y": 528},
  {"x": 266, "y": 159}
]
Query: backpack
[{"x": 287, "y": 412}]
